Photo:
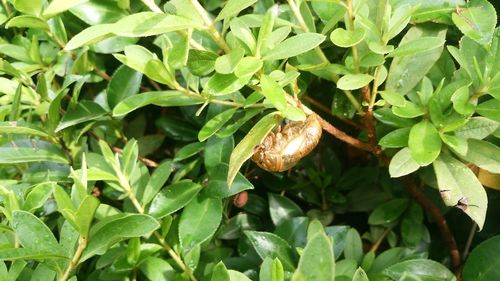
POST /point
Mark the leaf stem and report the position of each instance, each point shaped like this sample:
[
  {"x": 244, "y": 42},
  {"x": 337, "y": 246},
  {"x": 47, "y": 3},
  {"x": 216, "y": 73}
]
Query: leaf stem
[
  {"x": 355, "y": 54},
  {"x": 82, "y": 244},
  {"x": 219, "y": 40},
  {"x": 152, "y": 6}
]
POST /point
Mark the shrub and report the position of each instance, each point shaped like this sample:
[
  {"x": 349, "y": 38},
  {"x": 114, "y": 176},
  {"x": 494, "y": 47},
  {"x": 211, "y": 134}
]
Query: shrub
[{"x": 128, "y": 128}]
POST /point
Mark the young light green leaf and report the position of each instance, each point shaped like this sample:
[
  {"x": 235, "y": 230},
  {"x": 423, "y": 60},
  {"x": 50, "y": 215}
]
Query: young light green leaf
[
  {"x": 22, "y": 128},
  {"x": 347, "y": 38},
  {"x": 227, "y": 63},
  {"x": 419, "y": 45},
  {"x": 393, "y": 98},
  {"x": 270, "y": 245},
  {"x": 220, "y": 273},
  {"x": 233, "y": 7},
  {"x": 85, "y": 214},
  {"x": 38, "y": 196},
  {"x": 26, "y": 21},
  {"x": 59, "y": 6},
  {"x": 294, "y": 46},
  {"x": 360, "y": 275},
  {"x": 245, "y": 149},
  {"x": 162, "y": 98},
  {"x": 424, "y": 143},
  {"x": 248, "y": 66},
  {"x": 402, "y": 163},
  {"x": 490, "y": 109},
  {"x": 483, "y": 154},
  {"x": 460, "y": 99},
  {"x": 460, "y": 187},
  {"x": 317, "y": 262},
  {"x": 354, "y": 81},
  {"x": 273, "y": 92},
  {"x": 477, "y": 21}
]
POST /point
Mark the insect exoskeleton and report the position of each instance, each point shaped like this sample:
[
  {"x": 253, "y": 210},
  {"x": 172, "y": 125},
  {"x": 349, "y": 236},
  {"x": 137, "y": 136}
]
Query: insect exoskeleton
[{"x": 282, "y": 148}]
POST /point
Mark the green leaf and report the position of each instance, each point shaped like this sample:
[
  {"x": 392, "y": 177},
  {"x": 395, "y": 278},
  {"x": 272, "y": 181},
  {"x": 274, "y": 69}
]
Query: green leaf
[
  {"x": 354, "y": 81},
  {"x": 217, "y": 184},
  {"x": 90, "y": 35},
  {"x": 360, "y": 275},
  {"x": 406, "y": 72},
  {"x": 31, "y": 151},
  {"x": 157, "y": 269},
  {"x": 59, "y": 6},
  {"x": 22, "y": 128},
  {"x": 476, "y": 268},
  {"x": 33, "y": 234},
  {"x": 386, "y": 116},
  {"x": 273, "y": 92},
  {"x": 388, "y": 212},
  {"x": 223, "y": 84},
  {"x": 233, "y": 7},
  {"x": 294, "y": 46},
  {"x": 477, "y": 21},
  {"x": 402, "y": 163},
  {"x": 396, "y": 138},
  {"x": 85, "y": 214},
  {"x": 220, "y": 273},
  {"x": 424, "y": 268},
  {"x": 460, "y": 99},
  {"x": 317, "y": 262},
  {"x": 161, "y": 98},
  {"x": 32, "y": 7},
  {"x": 409, "y": 110},
  {"x": 393, "y": 98},
  {"x": 490, "y": 109},
  {"x": 237, "y": 276},
  {"x": 124, "y": 83},
  {"x": 217, "y": 151},
  {"x": 28, "y": 254},
  {"x": 189, "y": 150},
  {"x": 347, "y": 38},
  {"x": 26, "y": 21},
  {"x": 83, "y": 112},
  {"x": 424, "y": 143},
  {"x": 199, "y": 221},
  {"x": 38, "y": 196},
  {"x": 248, "y": 66},
  {"x": 459, "y": 187},
  {"x": 477, "y": 128},
  {"x": 419, "y": 45},
  {"x": 95, "y": 12},
  {"x": 483, "y": 154},
  {"x": 270, "y": 245},
  {"x": 227, "y": 63},
  {"x": 245, "y": 149},
  {"x": 109, "y": 232},
  {"x": 241, "y": 31},
  {"x": 281, "y": 208},
  {"x": 201, "y": 63},
  {"x": 156, "y": 181},
  {"x": 173, "y": 198},
  {"x": 214, "y": 124},
  {"x": 353, "y": 246}
]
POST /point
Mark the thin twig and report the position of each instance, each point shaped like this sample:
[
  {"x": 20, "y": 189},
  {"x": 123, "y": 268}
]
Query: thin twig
[
  {"x": 82, "y": 244},
  {"x": 417, "y": 194}
]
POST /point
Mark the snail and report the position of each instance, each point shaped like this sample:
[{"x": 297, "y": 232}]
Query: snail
[{"x": 282, "y": 149}]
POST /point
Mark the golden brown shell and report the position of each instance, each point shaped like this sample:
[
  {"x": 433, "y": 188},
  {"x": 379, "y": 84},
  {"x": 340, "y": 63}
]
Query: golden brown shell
[{"x": 282, "y": 149}]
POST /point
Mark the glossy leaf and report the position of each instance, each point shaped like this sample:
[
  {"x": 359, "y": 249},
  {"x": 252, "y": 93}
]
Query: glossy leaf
[
  {"x": 424, "y": 143},
  {"x": 354, "y": 81},
  {"x": 459, "y": 187},
  {"x": 477, "y": 21},
  {"x": 124, "y": 83},
  {"x": 173, "y": 198},
  {"x": 317, "y": 262},
  {"x": 269, "y": 245},
  {"x": 281, "y": 208},
  {"x": 402, "y": 163},
  {"x": 115, "y": 229},
  {"x": 294, "y": 46},
  {"x": 83, "y": 112},
  {"x": 476, "y": 268},
  {"x": 214, "y": 124},
  {"x": 245, "y": 149},
  {"x": 199, "y": 221}
]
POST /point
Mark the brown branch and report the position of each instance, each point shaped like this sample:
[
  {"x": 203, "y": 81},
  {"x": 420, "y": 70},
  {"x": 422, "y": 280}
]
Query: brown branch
[
  {"x": 341, "y": 135},
  {"x": 417, "y": 194},
  {"x": 370, "y": 123},
  {"x": 328, "y": 111}
]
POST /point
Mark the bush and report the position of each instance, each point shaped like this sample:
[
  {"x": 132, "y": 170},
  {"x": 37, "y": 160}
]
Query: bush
[{"x": 129, "y": 129}]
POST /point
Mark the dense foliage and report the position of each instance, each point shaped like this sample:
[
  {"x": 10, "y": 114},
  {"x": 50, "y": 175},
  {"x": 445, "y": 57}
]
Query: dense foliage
[{"x": 127, "y": 129}]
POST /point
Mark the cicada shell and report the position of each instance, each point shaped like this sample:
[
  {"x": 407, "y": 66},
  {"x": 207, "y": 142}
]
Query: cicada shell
[{"x": 283, "y": 148}]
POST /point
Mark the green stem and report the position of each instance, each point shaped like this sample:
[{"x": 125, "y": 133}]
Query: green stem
[
  {"x": 350, "y": 26},
  {"x": 219, "y": 40},
  {"x": 82, "y": 244}
]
